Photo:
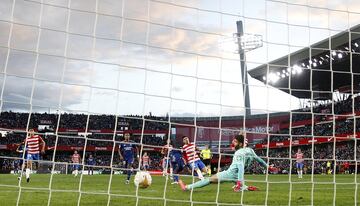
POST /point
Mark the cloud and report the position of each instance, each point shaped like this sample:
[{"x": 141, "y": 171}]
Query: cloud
[
  {"x": 174, "y": 58},
  {"x": 176, "y": 89}
]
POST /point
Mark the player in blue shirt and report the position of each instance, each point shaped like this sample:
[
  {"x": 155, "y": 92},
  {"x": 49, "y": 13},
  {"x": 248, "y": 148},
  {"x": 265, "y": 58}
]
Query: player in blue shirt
[
  {"x": 91, "y": 163},
  {"x": 20, "y": 163},
  {"x": 127, "y": 150},
  {"x": 176, "y": 163}
]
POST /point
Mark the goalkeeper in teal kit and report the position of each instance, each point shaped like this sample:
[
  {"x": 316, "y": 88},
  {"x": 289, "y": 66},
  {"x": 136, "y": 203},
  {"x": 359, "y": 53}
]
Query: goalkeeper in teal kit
[{"x": 243, "y": 157}]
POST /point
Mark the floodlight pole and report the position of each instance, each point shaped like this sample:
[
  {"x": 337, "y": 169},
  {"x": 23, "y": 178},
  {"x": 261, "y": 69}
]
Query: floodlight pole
[{"x": 244, "y": 78}]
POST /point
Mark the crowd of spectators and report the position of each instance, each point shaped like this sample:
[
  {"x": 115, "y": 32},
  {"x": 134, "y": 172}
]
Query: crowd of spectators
[
  {"x": 99, "y": 140},
  {"x": 15, "y": 120},
  {"x": 318, "y": 125},
  {"x": 282, "y": 159}
]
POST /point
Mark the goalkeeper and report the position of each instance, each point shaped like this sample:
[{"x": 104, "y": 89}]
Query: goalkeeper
[{"x": 242, "y": 158}]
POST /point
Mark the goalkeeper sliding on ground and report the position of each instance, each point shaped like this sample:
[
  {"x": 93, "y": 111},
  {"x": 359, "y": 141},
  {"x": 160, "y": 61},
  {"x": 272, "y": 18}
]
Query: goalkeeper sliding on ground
[{"x": 242, "y": 159}]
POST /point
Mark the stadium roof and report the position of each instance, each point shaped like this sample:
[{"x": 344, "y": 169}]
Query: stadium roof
[{"x": 314, "y": 74}]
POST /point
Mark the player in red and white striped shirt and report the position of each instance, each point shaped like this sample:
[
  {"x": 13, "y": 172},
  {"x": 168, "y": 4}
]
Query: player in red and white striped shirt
[
  {"x": 145, "y": 161},
  {"x": 192, "y": 159},
  {"x": 166, "y": 160},
  {"x": 76, "y": 159},
  {"x": 33, "y": 143},
  {"x": 299, "y": 162}
]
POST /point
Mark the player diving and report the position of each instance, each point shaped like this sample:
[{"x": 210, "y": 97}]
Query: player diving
[{"x": 242, "y": 159}]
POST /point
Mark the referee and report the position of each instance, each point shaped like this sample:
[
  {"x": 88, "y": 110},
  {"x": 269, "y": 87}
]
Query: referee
[{"x": 206, "y": 156}]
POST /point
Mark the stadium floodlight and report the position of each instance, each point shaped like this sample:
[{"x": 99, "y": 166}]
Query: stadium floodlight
[
  {"x": 248, "y": 42},
  {"x": 340, "y": 55},
  {"x": 297, "y": 69},
  {"x": 240, "y": 43},
  {"x": 273, "y": 77},
  {"x": 356, "y": 44}
]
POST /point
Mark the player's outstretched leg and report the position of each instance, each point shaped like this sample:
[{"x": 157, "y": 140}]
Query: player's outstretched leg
[
  {"x": 202, "y": 183},
  {"x": 198, "y": 184}
]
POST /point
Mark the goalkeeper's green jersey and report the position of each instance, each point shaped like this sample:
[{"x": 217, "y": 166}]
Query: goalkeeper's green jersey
[{"x": 244, "y": 157}]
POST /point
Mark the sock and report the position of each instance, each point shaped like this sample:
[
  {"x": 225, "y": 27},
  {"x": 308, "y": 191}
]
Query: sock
[
  {"x": 301, "y": 173},
  {"x": 171, "y": 171},
  {"x": 128, "y": 174},
  {"x": 199, "y": 174},
  {"x": 76, "y": 172},
  {"x": 199, "y": 184},
  {"x": 27, "y": 173}
]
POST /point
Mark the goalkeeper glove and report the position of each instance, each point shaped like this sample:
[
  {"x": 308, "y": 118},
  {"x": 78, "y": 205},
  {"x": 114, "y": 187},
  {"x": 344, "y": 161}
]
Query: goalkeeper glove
[
  {"x": 238, "y": 186},
  {"x": 252, "y": 188},
  {"x": 272, "y": 168}
]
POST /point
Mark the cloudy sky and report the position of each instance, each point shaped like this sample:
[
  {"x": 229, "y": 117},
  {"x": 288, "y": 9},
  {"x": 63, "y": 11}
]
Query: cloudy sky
[{"x": 139, "y": 56}]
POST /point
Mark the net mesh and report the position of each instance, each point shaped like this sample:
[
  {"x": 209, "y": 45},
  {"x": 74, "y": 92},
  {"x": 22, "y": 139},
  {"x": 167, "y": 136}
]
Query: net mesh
[{"x": 83, "y": 73}]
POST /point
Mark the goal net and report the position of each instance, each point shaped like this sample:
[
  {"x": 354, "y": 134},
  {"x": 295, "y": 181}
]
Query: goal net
[{"x": 94, "y": 91}]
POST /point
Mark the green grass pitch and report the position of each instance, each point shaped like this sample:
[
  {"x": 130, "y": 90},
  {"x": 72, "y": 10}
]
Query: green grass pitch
[{"x": 94, "y": 191}]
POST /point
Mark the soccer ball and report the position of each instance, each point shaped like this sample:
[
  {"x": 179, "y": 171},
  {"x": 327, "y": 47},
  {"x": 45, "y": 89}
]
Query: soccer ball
[{"x": 142, "y": 179}]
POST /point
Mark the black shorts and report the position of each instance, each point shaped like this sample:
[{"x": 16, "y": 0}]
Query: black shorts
[{"x": 206, "y": 161}]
